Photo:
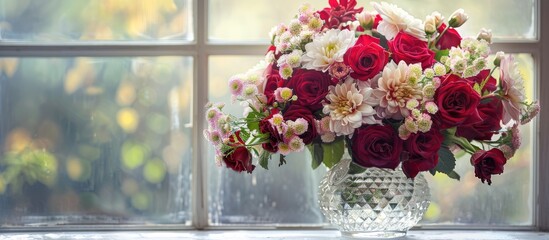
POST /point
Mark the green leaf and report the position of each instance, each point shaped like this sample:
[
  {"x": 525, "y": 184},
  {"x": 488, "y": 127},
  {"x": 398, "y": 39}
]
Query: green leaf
[
  {"x": 442, "y": 53},
  {"x": 264, "y": 159},
  {"x": 332, "y": 152},
  {"x": 477, "y": 88},
  {"x": 446, "y": 161},
  {"x": 316, "y": 154},
  {"x": 432, "y": 171},
  {"x": 355, "y": 168},
  {"x": 453, "y": 175}
]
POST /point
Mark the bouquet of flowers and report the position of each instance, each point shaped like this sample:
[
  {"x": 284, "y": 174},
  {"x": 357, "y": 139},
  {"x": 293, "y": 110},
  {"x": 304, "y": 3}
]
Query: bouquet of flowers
[{"x": 390, "y": 89}]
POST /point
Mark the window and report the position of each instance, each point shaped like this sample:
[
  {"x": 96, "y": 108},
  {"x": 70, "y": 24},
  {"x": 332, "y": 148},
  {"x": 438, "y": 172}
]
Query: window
[{"x": 102, "y": 117}]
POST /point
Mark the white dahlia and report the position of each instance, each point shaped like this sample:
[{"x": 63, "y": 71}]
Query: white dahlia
[
  {"x": 513, "y": 90},
  {"x": 395, "y": 89},
  {"x": 327, "y": 49},
  {"x": 350, "y": 105},
  {"x": 395, "y": 19}
]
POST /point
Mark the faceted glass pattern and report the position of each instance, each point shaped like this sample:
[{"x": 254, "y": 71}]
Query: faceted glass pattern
[{"x": 374, "y": 203}]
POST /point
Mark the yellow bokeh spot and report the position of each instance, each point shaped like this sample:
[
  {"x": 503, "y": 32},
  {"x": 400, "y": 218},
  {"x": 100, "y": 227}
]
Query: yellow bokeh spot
[
  {"x": 133, "y": 155},
  {"x": 154, "y": 171},
  {"x": 141, "y": 201},
  {"x": 74, "y": 168},
  {"x": 18, "y": 140},
  {"x": 128, "y": 119},
  {"x": 9, "y": 66},
  {"x": 433, "y": 212},
  {"x": 126, "y": 94},
  {"x": 82, "y": 74}
]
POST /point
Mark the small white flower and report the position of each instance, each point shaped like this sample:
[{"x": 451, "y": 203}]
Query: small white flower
[
  {"x": 299, "y": 126},
  {"x": 430, "y": 25},
  {"x": 328, "y": 137},
  {"x": 326, "y": 49},
  {"x": 485, "y": 34},
  {"x": 296, "y": 144},
  {"x": 458, "y": 18}
]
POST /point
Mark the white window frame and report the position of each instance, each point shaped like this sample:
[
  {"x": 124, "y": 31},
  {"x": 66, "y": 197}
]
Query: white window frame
[{"x": 201, "y": 49}]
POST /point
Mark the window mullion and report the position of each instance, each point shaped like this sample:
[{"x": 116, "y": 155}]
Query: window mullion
[
  {"x": 542, "y": 167},
  {"x": 100, "y": 50},
  {"x": 200, "y": 98}
]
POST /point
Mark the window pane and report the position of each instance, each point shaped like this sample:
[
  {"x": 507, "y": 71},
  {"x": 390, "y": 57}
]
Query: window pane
[
  {"x": 508, "y": 201},
  {"x": 109, "y": 20},
  {"x": 287, "y": 194},
  {"x": 237, "y": 20},
  {"x": 95, "y": 140},
  {"x": 281, "y": 195}
]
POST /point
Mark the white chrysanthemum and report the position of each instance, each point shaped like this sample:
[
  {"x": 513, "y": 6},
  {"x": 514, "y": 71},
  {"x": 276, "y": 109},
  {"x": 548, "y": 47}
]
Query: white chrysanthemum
[
  {"x": 395, "y": 19},
  {"x": 513, "y": 89},
  {"x": 349, "y": 107},
  {"x": 394, "y": 91},
  {"x": 327, "y": 49}
]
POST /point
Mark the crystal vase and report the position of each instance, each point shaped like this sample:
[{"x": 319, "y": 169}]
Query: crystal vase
[{"x": 376, "y": 203}]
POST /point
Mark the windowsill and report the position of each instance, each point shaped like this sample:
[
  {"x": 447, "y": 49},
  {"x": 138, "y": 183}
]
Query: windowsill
[{"x": 272, "y": 235}]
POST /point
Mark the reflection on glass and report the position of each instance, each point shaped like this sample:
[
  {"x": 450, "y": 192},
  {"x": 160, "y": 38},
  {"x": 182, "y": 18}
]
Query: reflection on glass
[
  {"x": 287, "y": 194},
  {"x": 95, "y": 140},
  {"x": 102, "y": 20},
  {"x": 282, "y": 195},
  {"x": 237, "y": 20}
]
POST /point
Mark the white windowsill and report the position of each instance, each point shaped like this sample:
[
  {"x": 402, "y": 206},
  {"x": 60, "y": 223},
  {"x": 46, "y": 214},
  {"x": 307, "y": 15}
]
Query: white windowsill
[{"x": 272, "y": 235}]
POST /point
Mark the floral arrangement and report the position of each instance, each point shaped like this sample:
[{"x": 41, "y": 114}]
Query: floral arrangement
[{"x": 390, "y": 89}]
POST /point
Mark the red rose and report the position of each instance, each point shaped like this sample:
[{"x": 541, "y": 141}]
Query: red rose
[
  {"x": 310, "y": 87},
  {"x": 272, "y": 82},
  {"x": 296, "y": 111},
  {"x": 367, "y": 58},
  {"x": 490, "y": 110},
  {"x": 411, "y": 50},
  {"x": 240, "y": 159},
  {"x": 457, "y": 103},
  {"x": 274, "y": 136},
  {"x": 449, "y": 39},
  {"x": 341, "y": 11},
  {"x": 490, "y": 84},
  {"x": 488, "y": 163},
  {"x": 376, "y": 146},
  {"x": 422, "y": 151}
]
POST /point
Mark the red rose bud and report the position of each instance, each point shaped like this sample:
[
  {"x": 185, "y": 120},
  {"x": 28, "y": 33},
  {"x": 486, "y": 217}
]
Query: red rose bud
[
  {"x": 376, "y": 21},
  {"x": 448, "y": 39},
  {"x": 376, "y": 146},
  {"x": 366, "y": 58},
  {"x": 488, "y": 163},
  {"x": 240, "y": 159},
  {"x": 422, "y": 151},
  {"x": 410, "y": 49},
  {"x": 490, "y": 85}
]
